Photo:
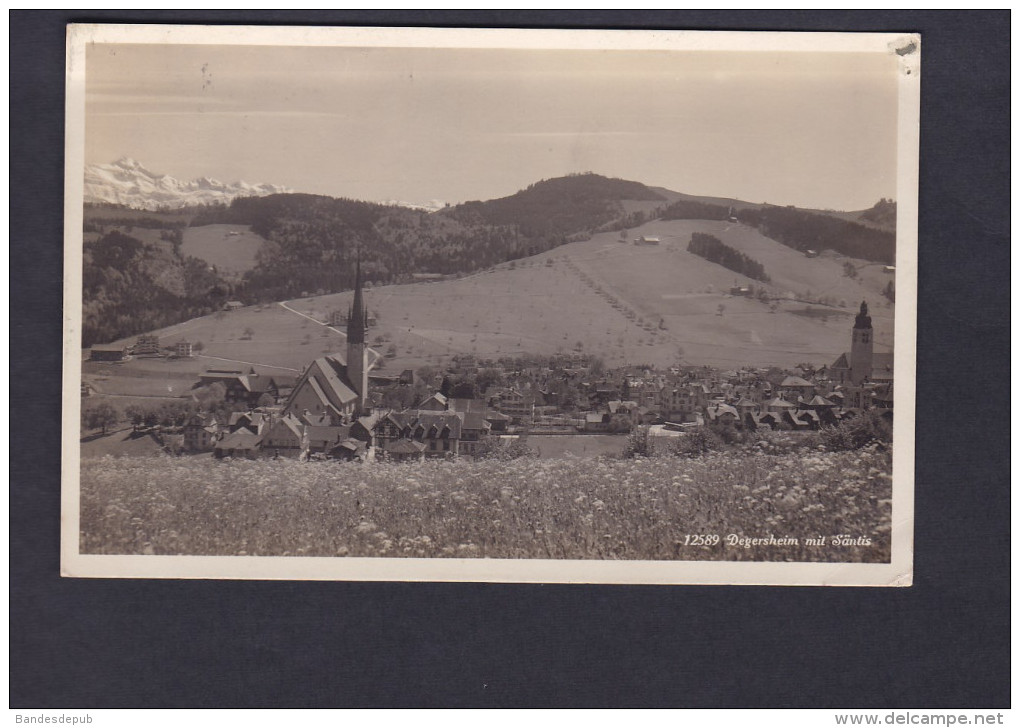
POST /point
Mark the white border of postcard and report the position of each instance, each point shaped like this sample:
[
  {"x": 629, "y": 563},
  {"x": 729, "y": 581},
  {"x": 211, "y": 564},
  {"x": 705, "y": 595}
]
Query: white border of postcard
[{"x": 896, "y": 573}]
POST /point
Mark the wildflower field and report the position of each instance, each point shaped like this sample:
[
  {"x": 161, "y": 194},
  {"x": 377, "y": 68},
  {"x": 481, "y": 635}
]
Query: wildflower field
[{"x": 641, "y": 508}]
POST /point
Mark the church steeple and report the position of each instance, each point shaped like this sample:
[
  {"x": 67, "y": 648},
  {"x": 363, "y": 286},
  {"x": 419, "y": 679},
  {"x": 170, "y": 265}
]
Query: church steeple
[
  {"x": 863, "y": 319},
  {"x": 861, "y": 347},
  {"x": 357, "y": 319},
  {"x": 357, "y": 352}
]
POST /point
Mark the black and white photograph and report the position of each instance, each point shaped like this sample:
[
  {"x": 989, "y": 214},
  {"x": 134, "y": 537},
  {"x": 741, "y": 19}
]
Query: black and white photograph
[{"x": 490, "y": 305}]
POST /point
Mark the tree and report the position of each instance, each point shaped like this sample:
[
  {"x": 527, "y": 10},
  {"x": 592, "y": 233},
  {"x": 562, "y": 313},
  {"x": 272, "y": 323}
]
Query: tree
[
  {"x": 99, "y": 416},
  {"x": 248, "y": 334},
  {"x": 135, "y": 414},
  {"x": 638, "y": 444},
  {"x": 198, "y": 346},
  {"x": 696, "y": 442}
]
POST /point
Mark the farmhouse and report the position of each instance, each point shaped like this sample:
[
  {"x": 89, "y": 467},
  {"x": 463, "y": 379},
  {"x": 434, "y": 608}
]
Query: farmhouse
[
  {"x": 200, "y": 433},
  {"x": 232, "y": 305},
  {"x": 108, "y": 352},
  {"x": 183, "y": 349},
  {"x": 243, "y": 443},
  {"x": 646, "y": 240},
  {"x": 285, "y": 437}
]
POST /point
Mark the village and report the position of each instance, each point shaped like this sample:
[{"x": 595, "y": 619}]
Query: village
[{"x": 344, "y": 407}]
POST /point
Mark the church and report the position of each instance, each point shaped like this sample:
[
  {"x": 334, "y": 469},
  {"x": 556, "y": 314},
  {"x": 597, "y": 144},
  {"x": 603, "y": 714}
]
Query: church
[
  {"x": 333, "y": 390},
  {"x": 861, "y": 372}
]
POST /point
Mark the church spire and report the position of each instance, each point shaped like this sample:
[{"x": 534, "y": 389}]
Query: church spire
[
  {"x": 863, "y": 320},
  {"x": 358, "y": 318}
]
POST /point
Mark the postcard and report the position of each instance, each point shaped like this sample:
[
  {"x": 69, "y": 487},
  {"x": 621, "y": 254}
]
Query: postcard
[{"x": 490, "y": 305}]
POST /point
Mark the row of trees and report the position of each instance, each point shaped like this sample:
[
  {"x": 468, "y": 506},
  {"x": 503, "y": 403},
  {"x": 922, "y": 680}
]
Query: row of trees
[{"x": 714, "y": 250}]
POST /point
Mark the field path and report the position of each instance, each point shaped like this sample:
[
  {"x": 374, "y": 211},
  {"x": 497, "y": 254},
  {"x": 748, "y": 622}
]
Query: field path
[
  {"x": 283, "y": 304},
  {"x": 252, "y": 363}
]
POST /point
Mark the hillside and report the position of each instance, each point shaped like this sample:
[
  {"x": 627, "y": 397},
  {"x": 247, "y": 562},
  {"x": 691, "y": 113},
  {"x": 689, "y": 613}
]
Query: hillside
[
  {"x": 632, "y": 304},
  {"x": 548, "y": 212},
  {"x": 564, "y": 232},
  {"x": 624, "y": 303},
  {"x": 311, "y": 239}
]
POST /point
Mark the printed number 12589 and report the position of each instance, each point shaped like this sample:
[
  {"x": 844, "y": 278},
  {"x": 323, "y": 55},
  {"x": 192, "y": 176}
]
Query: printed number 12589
[{"x": 708, "y": 539}]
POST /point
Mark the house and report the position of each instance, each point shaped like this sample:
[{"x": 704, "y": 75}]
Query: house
[
  {"x": 474, "y": 430},
  {"x": 286, "y": 437},
  {"x": 597, "y": 421},
  {"x": 519, "y": 406},
  {"x": 778, "y": 405},
  {"x": 646, "y": 240},
  {"x": 183, "y": 349},
  {"x": 349, "y": 449},
  {"x": 232, "y": 305},
  {"x": 200, "y": 433},
  {"x": 745, "y": 405},
  {"x": 254, "y": 421},
  {"x": 235, "y": 381},
  {"x": 146, "y": 344},
  {"x": 323, "y": 439},
  {"x": 498, "y": 422},
  {"x": 441, "y": 433},
  {"x": 108, "y": 352},
  {"x": 243, "y": 443},
  {"x": 435, "y": 402},
  {"x": 404, "y": 450},
  {"x": 796, "y": 388},
  {"x": 723, "y": 414},
  {"x": 363, "y": 429}
]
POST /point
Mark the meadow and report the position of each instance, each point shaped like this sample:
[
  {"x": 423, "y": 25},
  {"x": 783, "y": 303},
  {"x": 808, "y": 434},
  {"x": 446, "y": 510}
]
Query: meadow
[{"x": 568, "y": 508}]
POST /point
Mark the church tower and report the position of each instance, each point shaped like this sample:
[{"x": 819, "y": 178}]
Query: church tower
[
  {"x": 861, "y": 347},
  {"x": 357, "y": 354}
]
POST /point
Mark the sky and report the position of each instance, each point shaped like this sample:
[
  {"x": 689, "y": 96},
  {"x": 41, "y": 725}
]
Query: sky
[{"x": 809, "y": 129}]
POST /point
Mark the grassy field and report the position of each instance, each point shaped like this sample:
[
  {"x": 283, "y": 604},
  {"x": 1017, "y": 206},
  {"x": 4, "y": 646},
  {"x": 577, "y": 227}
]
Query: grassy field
[
  {"x": 231, "y": 248},
  {"x": 565, "y": 508},
  {"x": 584, "y": 446}
]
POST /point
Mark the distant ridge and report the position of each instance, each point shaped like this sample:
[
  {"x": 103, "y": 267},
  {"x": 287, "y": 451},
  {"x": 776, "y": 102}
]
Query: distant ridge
[{"x": 128, "y": 182}]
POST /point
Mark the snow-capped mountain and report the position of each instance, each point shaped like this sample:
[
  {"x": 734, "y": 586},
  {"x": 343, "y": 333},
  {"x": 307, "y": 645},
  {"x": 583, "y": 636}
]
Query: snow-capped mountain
[
  {"x": 127, "y": 182},
  {"x": 430, "y": 206}
]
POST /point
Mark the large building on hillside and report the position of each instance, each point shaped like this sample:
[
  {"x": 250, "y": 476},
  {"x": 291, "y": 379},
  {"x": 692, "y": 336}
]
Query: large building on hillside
[{"x": 335, "y": 387}]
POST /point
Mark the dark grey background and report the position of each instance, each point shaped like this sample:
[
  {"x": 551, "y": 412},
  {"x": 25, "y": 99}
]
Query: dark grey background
[{"x": 942, "y": 643}]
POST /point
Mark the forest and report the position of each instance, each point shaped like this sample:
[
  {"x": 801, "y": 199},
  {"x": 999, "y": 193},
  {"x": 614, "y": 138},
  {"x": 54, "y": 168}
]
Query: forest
[
  {"x": 129, "y": 287},
  {"x": 714, "y": 250}
]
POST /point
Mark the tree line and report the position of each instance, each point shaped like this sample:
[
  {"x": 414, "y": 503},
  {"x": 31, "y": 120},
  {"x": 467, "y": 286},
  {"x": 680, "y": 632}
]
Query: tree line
[{"x": 716, "y": 251}]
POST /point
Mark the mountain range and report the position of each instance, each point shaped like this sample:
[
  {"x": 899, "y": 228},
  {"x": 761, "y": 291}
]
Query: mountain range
[{"x": 127, "y": 182}]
